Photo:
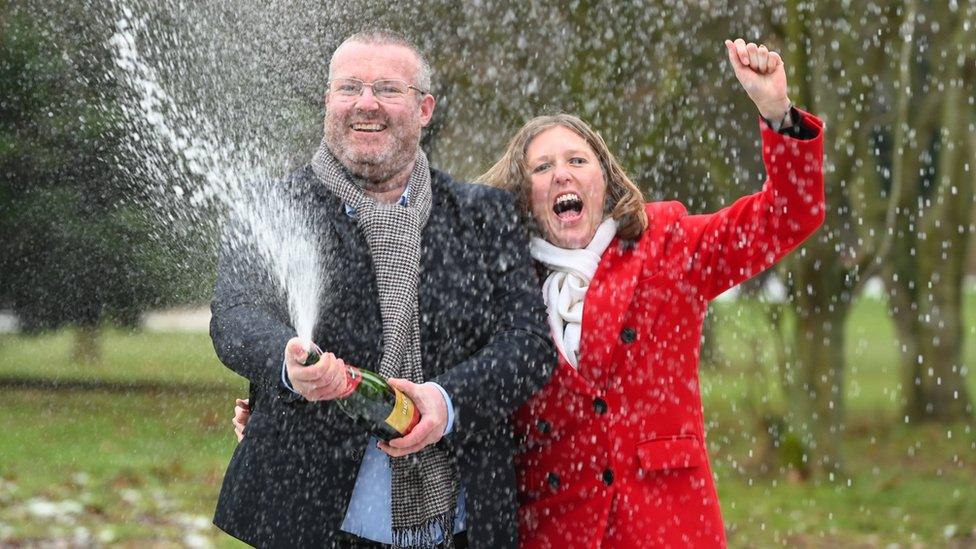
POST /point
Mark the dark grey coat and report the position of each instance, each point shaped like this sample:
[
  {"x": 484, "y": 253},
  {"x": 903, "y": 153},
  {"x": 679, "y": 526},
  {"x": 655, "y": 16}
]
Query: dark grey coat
[{"x": 484, "y": 339}]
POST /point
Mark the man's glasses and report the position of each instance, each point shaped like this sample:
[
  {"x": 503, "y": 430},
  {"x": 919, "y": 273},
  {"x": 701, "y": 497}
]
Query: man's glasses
[{"x": 385, "y": 90}]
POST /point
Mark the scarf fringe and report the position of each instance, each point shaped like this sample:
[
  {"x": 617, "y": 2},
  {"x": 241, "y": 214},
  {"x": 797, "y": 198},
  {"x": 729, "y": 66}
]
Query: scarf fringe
[{"x": 424, "y": 535}]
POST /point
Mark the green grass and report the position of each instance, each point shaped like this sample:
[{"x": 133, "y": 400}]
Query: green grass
[
  {"x": 909, "y": 485},
  {"x": 143, "y": 465},
  {"x": 872, "y": 380},
  {"x": 142, "y": 456},
  {"x": 128, "y": 356}
]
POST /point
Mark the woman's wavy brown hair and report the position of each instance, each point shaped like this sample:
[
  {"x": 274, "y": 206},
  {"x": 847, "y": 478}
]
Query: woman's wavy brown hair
[{"x": 625, "y": 203}]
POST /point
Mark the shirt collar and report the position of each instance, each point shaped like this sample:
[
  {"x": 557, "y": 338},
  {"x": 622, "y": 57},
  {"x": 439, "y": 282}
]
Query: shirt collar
[{"x": 403, "y": 201}]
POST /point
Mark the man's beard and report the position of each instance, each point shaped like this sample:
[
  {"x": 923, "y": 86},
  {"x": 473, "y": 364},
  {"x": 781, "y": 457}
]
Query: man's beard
[{"x": 373, "y": 167}]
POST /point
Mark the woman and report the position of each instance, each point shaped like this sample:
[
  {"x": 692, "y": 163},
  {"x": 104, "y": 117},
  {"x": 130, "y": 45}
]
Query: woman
[
  {"x": 613, "y": 449},
  {"x": 614, "y": 446}
]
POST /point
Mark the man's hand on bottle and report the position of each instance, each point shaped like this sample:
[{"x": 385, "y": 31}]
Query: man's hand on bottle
[
  {"x": 324, "y": 380},
  {"x": 433, "y": 418}
]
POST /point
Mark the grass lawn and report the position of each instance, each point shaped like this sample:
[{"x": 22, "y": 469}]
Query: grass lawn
[
  {"x": 138, "y": 459},
  {"x": 910, "y": 485},
  {"x": 127, "y": 357},
  {"x": 100, "y": 466}
]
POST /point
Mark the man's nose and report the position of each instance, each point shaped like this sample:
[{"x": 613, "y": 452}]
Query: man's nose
[{"x": 366, "y": 100}]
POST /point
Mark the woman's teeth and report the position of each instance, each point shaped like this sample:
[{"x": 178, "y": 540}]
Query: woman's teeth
[{"x": 570, "y": 202}]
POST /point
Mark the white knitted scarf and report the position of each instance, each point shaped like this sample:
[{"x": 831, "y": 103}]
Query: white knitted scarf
[{"x": 570, "y": 272}]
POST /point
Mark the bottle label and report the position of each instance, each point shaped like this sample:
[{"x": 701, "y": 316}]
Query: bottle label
[{"x": 404, "y": 415}]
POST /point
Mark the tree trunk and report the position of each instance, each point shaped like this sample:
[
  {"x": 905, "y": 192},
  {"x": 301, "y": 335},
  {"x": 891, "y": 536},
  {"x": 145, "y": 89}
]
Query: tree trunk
[
  {"x": 930, "y": 335},
  {"x": 926, "y": 278},
  {"x": 821, "y": 283},
  {"x": 815, "y": 386},
  {"x": 940, "y": 392},
  {"x": 87, "y": 348}
]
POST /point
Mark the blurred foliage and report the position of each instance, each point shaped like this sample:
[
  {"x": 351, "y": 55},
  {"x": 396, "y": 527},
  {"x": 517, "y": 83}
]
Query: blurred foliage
[
  {"x": 652, "y": 78},
  {"x": 57, "y": 185},
  {"x": 76, "y": 245}
]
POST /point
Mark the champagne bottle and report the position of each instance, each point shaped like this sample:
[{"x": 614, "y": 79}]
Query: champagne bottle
[{"x": 370, "y": 400}]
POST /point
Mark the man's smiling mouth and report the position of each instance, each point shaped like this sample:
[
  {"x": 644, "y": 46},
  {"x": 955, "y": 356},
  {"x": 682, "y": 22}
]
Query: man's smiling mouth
[{"x": 368, "y": 127}]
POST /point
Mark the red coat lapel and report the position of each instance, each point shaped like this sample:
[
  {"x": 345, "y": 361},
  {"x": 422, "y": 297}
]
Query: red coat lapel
[{"x": 607, "y": 301}]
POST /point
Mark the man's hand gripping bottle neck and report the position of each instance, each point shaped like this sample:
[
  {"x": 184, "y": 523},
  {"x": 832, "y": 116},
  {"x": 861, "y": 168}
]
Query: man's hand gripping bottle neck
[{"x": 384, "y": 410}]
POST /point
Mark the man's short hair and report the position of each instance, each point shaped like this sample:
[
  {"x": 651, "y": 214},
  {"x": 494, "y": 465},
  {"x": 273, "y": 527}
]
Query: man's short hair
[{"x": 387, "y": 37}]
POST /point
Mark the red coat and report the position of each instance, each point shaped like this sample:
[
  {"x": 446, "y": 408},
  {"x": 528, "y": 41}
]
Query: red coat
[{"x": 614, "y": 454}]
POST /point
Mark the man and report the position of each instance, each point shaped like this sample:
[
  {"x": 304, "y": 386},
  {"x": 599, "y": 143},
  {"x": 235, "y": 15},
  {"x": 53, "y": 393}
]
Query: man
[{"x": 429, "y": 283}]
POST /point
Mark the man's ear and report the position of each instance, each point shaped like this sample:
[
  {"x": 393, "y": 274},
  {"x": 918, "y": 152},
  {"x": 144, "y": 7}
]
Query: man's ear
[{"x": 427, "y": 109}]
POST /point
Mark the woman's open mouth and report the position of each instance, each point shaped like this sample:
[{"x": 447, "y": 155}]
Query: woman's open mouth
[{"x": 568, "y": 206}]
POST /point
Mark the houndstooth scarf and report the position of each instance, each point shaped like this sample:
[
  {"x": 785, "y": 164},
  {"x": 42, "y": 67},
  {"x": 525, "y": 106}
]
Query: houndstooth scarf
[{"x": 425, "y": 485}]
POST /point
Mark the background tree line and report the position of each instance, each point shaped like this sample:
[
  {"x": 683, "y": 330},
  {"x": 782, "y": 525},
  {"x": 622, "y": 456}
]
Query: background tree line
[{"x": 894, "y": 81}]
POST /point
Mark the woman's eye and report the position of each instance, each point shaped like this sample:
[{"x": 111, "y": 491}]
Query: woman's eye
[
  {"x": 577, "y": 160},
  {"x": 540, "y": 168}
]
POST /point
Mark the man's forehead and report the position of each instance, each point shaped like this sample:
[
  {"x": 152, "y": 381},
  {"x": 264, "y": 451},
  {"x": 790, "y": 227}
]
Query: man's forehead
[{"x": 374, "y": 61}]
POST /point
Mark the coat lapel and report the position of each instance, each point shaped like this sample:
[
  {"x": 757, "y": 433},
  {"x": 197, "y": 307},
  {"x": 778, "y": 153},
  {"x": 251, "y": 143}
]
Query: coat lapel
[
  {"x": 607, "y": 301},
  {"x": 347, "y": 229}
]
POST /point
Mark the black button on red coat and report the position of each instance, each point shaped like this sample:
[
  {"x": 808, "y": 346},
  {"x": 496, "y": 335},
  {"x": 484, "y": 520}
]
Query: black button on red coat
[
  {"x": 628, "y": 335},
  {"x": 553, "y": 480},
  {"x": 599, "y": 406},
  {"x": 608, "y": 477},
  {"x": 543, "y": 426}
]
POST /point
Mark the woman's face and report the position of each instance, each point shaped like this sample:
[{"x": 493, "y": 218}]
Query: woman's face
[{"x": 568, "y": 188}]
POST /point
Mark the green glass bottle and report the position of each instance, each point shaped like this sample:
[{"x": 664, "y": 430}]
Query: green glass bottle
[{"x": 369, "y": 399}]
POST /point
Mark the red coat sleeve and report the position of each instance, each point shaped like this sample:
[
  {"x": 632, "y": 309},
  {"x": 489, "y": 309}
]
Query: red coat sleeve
[{"x": 722, "y": 249}]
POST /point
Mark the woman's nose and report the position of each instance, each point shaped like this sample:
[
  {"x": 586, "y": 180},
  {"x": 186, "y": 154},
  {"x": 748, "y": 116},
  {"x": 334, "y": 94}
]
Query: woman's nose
[{"x": 561, "y": 174}]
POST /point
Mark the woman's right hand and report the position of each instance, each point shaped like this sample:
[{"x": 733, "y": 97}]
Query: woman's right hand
[
  {"x": 762, "y": 75},
  {"x": 242, "y": 413}
]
